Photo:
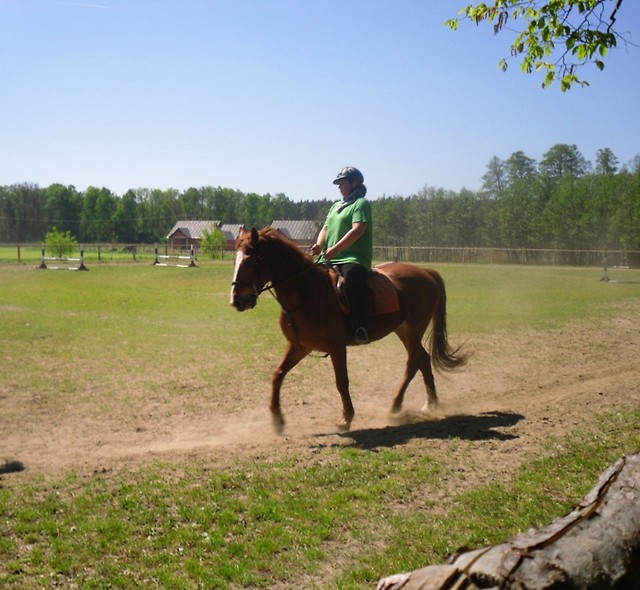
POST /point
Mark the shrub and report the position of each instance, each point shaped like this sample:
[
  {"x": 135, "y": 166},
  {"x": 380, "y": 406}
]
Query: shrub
[{"x": 60, "y": 244}]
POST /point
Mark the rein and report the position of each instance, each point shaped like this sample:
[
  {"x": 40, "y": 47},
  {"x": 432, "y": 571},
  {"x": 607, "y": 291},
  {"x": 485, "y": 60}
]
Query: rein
[
  {"x": 288, "y": 313},
  {"x": 271, "y": 286}
]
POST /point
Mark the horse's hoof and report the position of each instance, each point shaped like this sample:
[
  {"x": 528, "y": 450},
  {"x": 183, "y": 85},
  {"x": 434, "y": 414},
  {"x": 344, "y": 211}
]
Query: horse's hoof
[
  {"x": 344, "y": 426},
  {"x": 429, "y": 407}
]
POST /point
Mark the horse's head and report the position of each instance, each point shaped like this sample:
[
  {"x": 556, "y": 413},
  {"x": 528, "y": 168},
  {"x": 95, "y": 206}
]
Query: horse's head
[{"x": 248, "y": 277}]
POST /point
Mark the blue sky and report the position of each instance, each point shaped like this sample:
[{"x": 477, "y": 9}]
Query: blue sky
[{"x": 274, "y": 96}]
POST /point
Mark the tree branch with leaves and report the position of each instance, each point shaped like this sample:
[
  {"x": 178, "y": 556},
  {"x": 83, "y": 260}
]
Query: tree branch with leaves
[{"x": 556, "y": 37}]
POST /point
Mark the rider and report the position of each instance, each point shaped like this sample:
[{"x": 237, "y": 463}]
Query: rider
[{"x": 346, "y": 239}]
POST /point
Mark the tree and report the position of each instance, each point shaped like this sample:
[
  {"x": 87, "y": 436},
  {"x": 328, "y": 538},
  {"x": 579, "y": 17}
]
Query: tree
[
  {"x": 556, "y": 37},
  {"x": 494, "y": 179},
  {"x": 429, "y": 212},
  {"x": 250, "y": 210},
  {"x": 125, "y": 219},
  {"x": 390, "y": 222},
  {"x": 519, "y": 166},
  {"x": 193, "y": 204},
  {"x": 597, "y": 545},
  {"x": 519, "y": 216},
  {"x": 463, "y": 218},
  {"x": 282, "y": 208},
  {"x": 59, "y": 243},
  {"x": 22, "y": 213},
  {"x": 564, "y": 160},
  {"x": 633, "y": 166},
  {"x": 213, "y": 242},
  {"x": 62, "y": 207},
  {"x": 606, "y": 162},
  {"x": 96, "y": 217}
]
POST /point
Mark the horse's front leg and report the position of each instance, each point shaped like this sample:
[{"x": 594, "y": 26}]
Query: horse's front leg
[
  {"x": 339, "y": 360},
  {"x": 292, "y": 356}
]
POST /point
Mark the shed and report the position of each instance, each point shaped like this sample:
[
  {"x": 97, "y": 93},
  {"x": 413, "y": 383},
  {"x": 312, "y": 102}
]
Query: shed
[
  {"x": 231, "y": 232},
  {"x": 302, "y": 232},
  {"x": 187, "y": 234}
]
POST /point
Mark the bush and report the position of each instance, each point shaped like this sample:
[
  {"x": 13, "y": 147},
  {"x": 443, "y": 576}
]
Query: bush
[
  {"x": 213, "y": 242},
  {"x": 60, "y": 244}
]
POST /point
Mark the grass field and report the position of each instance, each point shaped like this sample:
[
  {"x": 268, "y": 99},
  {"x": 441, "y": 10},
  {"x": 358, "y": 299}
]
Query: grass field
[{"x": 90, "y": 344}]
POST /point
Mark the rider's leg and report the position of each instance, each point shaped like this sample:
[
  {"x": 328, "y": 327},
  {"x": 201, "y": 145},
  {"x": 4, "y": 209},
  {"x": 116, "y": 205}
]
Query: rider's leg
[{"x": 355, "y": 277}]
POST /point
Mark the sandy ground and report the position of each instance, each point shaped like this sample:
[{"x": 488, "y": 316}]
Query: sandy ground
[{"x": 518, "y": 391}]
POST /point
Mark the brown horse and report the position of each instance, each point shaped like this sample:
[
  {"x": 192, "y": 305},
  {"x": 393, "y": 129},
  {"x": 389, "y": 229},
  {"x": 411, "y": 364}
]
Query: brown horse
[{"x": 313, "y": 319}]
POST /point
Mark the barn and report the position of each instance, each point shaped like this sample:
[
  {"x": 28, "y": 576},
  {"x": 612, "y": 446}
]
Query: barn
[
  {"x": 301, "y": 232},
  {"x": 231, "y": 232},
  {"x": 187, "y": 234}
]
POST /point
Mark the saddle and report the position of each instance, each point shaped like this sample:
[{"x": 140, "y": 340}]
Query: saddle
[{"x": 383, "y": 292}]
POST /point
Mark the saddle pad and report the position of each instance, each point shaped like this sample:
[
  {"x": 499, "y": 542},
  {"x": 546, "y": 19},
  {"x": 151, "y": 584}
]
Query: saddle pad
[{"x": 385, "y": 296}]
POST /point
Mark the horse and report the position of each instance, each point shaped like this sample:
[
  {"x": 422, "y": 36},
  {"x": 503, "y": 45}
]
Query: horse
[{"x": 312, "y": 317}]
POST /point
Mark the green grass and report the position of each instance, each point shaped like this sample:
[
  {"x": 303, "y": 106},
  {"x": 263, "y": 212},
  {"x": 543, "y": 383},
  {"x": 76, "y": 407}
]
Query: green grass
[
  {"x": 338, "y": 520},
  {"x": 257, "y": 525},
  {"x": 490, "y": 298}
]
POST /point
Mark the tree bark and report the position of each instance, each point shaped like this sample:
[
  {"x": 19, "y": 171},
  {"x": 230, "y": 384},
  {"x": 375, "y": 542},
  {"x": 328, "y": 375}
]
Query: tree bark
[{"x": 596, "y": 546}]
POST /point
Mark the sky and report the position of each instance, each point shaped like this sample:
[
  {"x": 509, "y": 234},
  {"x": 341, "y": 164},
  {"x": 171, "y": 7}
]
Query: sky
[{"x": 275, "y": 96}]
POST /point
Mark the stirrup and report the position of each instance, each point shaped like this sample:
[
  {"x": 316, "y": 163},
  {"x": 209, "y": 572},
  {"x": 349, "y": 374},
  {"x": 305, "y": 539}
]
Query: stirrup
[{"x": 362, "y": 336}]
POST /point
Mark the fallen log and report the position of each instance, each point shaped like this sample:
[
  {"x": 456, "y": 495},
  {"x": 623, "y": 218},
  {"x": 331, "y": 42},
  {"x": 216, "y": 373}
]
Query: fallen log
[{"x": 596, "y": 546}]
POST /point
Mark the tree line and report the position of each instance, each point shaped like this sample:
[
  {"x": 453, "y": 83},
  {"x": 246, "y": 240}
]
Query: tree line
[{"x": 563, "y": 201}]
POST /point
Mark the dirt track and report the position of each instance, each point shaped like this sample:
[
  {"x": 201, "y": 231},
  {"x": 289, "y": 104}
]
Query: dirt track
[{"x": 517, "y": 391}]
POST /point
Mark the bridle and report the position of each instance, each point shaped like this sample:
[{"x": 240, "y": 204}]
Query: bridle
[
  {"x": 253, "y": 282},
  {"x": 269, "y": 285}
]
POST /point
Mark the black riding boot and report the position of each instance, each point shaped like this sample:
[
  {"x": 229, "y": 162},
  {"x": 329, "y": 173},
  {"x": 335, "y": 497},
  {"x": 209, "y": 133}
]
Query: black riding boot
[{"x": 359, "y": 297}]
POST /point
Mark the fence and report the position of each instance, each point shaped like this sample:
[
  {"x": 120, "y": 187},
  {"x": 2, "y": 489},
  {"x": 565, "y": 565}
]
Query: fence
[
  {"x": 112, "y": 253},
  {"x": 63, "y": 261},
  {"x": 527, "y": 256}
]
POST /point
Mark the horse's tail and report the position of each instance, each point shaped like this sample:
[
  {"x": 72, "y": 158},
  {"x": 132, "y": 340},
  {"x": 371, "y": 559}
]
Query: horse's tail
[{"x": 443, "y": 356}]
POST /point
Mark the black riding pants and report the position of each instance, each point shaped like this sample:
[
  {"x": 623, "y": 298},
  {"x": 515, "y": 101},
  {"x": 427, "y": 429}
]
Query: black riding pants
[{"x": 355, "y": 285}]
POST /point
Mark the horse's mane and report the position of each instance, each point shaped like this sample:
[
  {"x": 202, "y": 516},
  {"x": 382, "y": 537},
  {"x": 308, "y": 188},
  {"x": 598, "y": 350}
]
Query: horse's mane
[{"x": 286, "y": 251}]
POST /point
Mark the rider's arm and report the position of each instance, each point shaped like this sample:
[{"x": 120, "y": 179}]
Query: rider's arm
[
  {"x": 358, "y": 229},
  {"x": 317, "y": 247}
]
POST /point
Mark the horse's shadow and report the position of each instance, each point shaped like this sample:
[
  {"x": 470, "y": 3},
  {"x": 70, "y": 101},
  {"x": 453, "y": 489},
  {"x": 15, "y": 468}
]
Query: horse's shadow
[
  {"x": 11, "y": 467},
  {"x": 467, "y": 427}
]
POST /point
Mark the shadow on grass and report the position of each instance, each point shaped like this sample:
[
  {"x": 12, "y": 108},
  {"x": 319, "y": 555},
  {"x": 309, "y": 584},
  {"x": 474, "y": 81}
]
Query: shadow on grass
[{"x": 462, "y": 426}]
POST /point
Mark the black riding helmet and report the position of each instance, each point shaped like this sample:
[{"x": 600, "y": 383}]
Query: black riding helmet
[{"x": 350, "y": 173}]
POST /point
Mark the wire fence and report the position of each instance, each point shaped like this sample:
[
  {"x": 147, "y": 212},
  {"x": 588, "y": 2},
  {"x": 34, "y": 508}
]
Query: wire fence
[
  {"x": 527, "y": 256},
  {"x": 101, "y": 253},
  {"x": 93, "y": 253}
]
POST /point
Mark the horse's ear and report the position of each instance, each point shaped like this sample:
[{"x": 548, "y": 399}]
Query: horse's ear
[
  {"x": 254, "y": 236},
  {"x": 241, "y": 233}
]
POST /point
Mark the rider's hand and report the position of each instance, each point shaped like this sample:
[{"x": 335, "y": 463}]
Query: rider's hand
[
  {"x": 316, "y": 249},
  {"x": 329, "y": 253}
]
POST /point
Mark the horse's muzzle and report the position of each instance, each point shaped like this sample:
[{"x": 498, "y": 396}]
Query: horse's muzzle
[{"x": 243, "y": 303}]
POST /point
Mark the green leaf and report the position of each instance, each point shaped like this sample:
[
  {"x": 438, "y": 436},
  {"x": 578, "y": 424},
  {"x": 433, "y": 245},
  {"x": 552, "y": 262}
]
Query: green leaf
[
  {"x": 548, "y": 80},
  {"x": 453, "y": 23}
]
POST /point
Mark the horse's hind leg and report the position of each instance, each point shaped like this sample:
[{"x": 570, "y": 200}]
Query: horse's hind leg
[
  {"x": 429, "y": 381},
  {"x": 292, "y": 356},
  {"x": 418, "y": 359}
]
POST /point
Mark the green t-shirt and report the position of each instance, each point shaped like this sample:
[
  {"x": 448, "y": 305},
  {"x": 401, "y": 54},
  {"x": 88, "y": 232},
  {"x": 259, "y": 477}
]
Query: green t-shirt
[{"x": 339, "y": 222}]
